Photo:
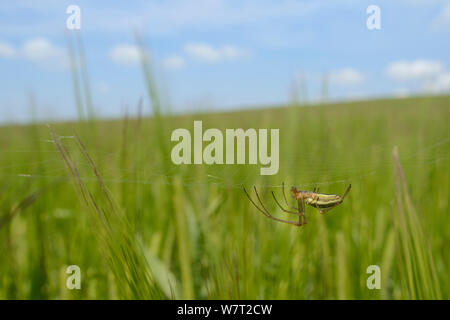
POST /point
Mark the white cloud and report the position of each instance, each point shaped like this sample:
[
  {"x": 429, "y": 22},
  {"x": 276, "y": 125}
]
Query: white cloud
[
  {"x": 442, "y": 21},
  {"x": 40, "y": 51},
  {"x": 431, "y": 76},
  {"x": 7, "y": 50},
  {"x": 208, "y": 53},
  {"x": 44, "y": 53},
  {"x": 441, "y": 84},
  {"x": 202, "y": 51},
  {"x": 126, "y": 54},
  {"x": 232, "y": 52},
  {"x": 174, "y": 62},
  {"x": 414, "y": 70},
  {"x": 346, "y": 76}
]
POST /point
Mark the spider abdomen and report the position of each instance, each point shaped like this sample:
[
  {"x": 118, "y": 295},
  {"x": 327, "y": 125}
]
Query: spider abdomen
[{"x": 323, "y": 201}]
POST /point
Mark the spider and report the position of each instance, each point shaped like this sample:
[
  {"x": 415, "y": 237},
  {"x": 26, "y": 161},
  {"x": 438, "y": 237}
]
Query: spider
[{"x": 322, "y": 201}]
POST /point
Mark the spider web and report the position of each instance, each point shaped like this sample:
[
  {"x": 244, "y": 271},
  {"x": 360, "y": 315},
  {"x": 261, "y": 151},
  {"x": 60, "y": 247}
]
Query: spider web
[{"x": 234, "y": 177}]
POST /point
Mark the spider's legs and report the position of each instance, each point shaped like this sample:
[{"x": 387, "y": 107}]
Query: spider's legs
[
  {"x": 347, "y": 191},
  {"x": 285, "y": 199},
  {"x": 281, "y": 207},
  {"x": 301, "y": 206},
  {"x": 265, "y": 212},
  {"x": 255, "y": 205},
  {"x": 272, "y": 217}
]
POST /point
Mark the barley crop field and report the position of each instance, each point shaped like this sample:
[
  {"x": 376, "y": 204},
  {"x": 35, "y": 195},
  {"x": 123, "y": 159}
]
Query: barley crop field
[{"x": 105, "y": 196}]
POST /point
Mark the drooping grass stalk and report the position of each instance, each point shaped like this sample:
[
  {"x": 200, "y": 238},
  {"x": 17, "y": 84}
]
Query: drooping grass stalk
[
  {"x": 159, "y": 120},
  {"x": 12, "y": 270},
  {"x": 124, "y": 157},
  {"x": 184, "y": 250},
  {"x": 419, "y": 264},
  {"x": 36, "y": 225},
  {"x": 125, "y": 257},
  {"x": 324, "y": 91},
  {"x": 75, "y": 79},
  {"x": 303, "y": 90},
  {"x": 386, "y": 264},
  {"x": 342, "y": 276},
  {"x": 162, "y": 144},
  {"x": 6, "y": 219},
  {"x": 85, "y": 78}
]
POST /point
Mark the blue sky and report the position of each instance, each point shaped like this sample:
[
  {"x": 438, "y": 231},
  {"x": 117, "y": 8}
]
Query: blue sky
[{"x": 221, "y": 54}]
